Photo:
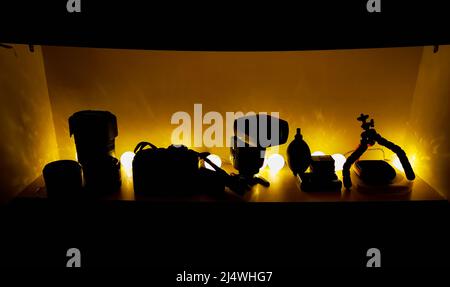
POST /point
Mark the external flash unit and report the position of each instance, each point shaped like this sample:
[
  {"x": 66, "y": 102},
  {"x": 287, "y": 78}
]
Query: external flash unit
[{"x": 252, "y": 135}]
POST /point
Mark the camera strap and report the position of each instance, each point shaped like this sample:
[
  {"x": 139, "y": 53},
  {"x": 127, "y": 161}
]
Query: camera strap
[
  {"x": 220, "y": 171},
  {"x": 140, "y": 146}
]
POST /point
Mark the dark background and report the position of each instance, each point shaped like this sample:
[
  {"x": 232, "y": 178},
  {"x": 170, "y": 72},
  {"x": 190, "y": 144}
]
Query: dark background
[
  {"x": 225, "y": 25},
  {"x": 325, "y": 242}
]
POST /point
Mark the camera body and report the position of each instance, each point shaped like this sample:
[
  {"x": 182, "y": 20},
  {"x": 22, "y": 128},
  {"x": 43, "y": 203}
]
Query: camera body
[{"x": 170, "y": 171}]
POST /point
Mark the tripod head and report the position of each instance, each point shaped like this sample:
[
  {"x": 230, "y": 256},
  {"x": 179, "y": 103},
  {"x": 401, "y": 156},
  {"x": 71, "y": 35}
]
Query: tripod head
[
  {"x": 369, "y": 134},
  {"x": 366, "y": 125}
]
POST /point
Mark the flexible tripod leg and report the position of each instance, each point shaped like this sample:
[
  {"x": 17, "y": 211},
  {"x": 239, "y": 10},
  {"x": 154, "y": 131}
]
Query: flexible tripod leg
[
  {"x": 400, "y": 154},
  {"x": 349, "y": 162}
]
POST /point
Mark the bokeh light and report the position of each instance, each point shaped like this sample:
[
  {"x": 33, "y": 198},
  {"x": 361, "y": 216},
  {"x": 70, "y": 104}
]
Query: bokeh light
[
  {"x": 215, "y": 159},
  {"x": 127, "y": 162},
  {"x": 275, "y": 162},
  {"x": 339, "y": 161}
]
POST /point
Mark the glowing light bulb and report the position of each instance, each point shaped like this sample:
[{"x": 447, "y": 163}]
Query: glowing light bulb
[
  {"x": 396, "y": 163},
  {"x": 127, "y": 162},
  {"x": 215, "y": 159},
  {"x": 339, "y": 161},
  {"x": 275, "y": 162},
  {"x": 318, "y": 153},
  {"x": 264, "y": 164}
]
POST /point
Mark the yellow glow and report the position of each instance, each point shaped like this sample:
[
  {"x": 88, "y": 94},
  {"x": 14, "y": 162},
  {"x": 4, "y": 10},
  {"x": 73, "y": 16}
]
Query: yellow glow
[
  {"x": 318, "y": 153},
  {"x": 215, "y": 159},
  {"x": 339, "y": 161},
  {"x": 398, "y": 165},
  {"x": 396, "y": 162},
  {"x": 412, "y": 161},
  {"x": 275, "y": 162},
  {"x": 127, "y": 162}
]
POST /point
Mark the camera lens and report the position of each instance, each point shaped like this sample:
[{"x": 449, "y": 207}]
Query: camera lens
[
  {"x": 102, "y": 176},
  {"x": 63, "y": 179},
  {"x": 94, "y": 133}
]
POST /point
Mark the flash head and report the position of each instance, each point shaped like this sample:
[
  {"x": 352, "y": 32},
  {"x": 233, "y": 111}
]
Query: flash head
[{"x": 261, "y": 130}]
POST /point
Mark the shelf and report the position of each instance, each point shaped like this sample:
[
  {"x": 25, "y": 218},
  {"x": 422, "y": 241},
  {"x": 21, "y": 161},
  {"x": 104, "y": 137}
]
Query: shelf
[{"x": 284, "y": 187}]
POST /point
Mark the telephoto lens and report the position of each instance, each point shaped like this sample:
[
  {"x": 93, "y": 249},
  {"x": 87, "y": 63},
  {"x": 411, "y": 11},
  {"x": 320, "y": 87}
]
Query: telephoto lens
[
  {"x": 102, "y": 176},
  {"x": 95, "y": 133}
]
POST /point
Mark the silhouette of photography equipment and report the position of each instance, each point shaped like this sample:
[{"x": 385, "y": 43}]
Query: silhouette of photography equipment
[
  {"x": 299, "y": 154},
  {"x": 322, "y": 176},
  {"x": 252, "y": 135},
  {"x": 375, "y": 172},
  {"x": 176, "y": 171},
  {"x": 371, "y": 171},
  {"x": 95, "y": 133},
  {"x": 63, "y": 179},
  {"x": 164, "y": 171}
]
